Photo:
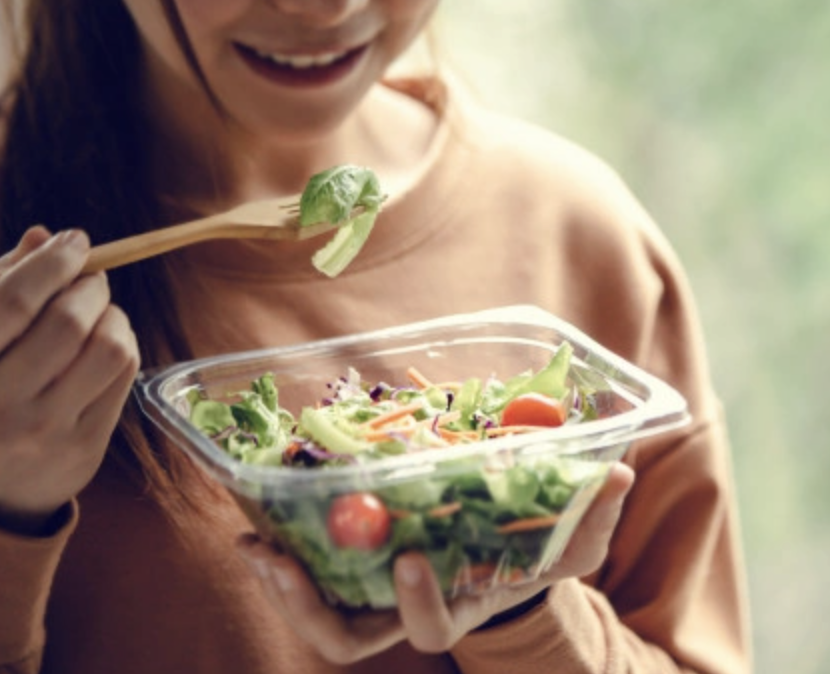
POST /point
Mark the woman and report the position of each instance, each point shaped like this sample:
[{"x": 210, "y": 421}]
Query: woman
[{"x": 128, "y": 115}]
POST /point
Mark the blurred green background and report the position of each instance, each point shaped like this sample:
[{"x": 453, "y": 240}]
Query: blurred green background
[{"x": 716, "y": 114}]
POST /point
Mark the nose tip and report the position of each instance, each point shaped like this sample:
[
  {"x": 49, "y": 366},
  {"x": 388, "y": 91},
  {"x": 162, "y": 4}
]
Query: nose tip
[{"x": 319, "y": 11}]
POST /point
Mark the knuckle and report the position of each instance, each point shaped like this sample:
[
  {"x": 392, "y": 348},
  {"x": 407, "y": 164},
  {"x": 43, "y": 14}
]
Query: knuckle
[
  {"x": 67, "y": 320},
  {"x": 342, "y": 653},
  {"x": 118, "y": 318},
  {"x": 64, "y": 261},
  {"x": 100, "y": 284},
  {"x": 25, "y": 430},
  {"x": 596, "y": 559},
  {"x": 113, "y": 350},
  {"x": 18, "y": 306},
  {"x": 582, "y": 556},
  {"x": 437, "y": 643},
  {"x": 115, "y": 342}
]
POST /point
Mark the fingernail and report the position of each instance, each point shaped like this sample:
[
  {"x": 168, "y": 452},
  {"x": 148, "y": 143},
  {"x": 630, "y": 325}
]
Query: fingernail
[
  {"x": 282, "y": 578},
  {"x": 409, "y": 572},
  {"x": 259, "y": 566},
  {"x": 74, "y": 238}
]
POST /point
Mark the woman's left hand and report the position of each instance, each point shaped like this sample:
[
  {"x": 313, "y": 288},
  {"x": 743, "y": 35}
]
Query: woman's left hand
[{"x": 424, "y": 617}]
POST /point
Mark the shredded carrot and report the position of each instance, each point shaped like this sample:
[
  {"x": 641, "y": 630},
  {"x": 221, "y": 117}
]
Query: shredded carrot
[
  {"x": 458, "y": 436},
  {"x": 487, "y": 574},
  {"x": 382, "y": 427},
  {"x": 291, "y": 450},
  {"x": 497, "y": 431},
  {"x": 442, "y": 419},
  {"x": 389, "y": 432},
  {"x": 445, "y": 510},
  {"x": 393, "y": 415},
  {"x": 529, "y": 524},
  {"x": 414, "y": 375},
  {"x": 401, "y": 421},
  {"x": 405, "y": 422},
  {"x": 405, "y": 426}
]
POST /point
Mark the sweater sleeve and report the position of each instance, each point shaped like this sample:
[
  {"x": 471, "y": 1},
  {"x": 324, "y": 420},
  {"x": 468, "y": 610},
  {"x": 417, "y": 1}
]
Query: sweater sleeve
[
  {"x": 576, "y": 630},
  {"x": 667, "y": 600},
  {"x": 27, "y": 567},
  {"x": 671, "y": 594}
]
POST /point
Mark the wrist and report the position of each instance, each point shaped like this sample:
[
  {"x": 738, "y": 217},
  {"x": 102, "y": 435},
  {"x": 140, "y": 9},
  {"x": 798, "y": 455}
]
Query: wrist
[{"x": 515, "y": 612}]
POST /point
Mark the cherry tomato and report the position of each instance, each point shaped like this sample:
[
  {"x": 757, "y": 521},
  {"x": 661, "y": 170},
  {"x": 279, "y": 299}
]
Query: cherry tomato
[
  {"x": 533, "y": 409},
  {"x": 359, "y": 520}
]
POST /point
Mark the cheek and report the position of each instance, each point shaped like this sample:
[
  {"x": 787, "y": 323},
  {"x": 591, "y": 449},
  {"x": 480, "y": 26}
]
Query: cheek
[
  {"x": 416, "y": 11},
  {"x": 210, "y": 17},
  {"x": 407, "y": 19},
  {"x": 208, "y": 12},
  {"x": 152, "y": 25}
]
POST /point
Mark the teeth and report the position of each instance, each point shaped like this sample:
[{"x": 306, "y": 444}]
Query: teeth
[{"x": 302, "y": 62}]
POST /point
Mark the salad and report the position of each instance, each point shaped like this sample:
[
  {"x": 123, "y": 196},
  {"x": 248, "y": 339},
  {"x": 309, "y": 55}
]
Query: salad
[
  {"x": 345, "y": 195},
  {"x": 480, "y": 523}
]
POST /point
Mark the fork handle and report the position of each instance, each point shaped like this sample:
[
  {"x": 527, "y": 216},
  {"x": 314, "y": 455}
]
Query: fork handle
[
  {"x": 224, "y": 225},
  {"x": 147, "y": 244}
]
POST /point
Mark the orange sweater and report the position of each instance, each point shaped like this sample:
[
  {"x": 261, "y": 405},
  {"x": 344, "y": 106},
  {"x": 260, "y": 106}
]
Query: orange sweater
[{"x": 504, "y": 213}]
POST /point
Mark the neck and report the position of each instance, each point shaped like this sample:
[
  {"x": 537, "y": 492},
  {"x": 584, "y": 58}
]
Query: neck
[{"x": 205, "y": 162}]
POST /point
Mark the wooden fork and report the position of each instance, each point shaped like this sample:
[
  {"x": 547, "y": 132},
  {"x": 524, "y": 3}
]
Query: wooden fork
[{"x": 267, "y": 219}]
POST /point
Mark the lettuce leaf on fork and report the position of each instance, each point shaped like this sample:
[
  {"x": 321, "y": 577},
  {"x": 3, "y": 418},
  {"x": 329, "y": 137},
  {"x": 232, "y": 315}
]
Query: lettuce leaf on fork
[{"x": 346, "y": 194}]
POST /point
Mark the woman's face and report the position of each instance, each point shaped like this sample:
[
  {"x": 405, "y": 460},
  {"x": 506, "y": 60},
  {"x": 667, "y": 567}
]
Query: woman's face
[{"x": 295, "y": 68}]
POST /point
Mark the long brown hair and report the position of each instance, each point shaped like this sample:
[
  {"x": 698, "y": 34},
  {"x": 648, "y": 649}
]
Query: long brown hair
[{"x": 73, "y": 157}]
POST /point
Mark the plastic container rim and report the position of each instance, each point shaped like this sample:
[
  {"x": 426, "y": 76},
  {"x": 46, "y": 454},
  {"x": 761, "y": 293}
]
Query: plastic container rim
[{"x": 662, "y": 410}]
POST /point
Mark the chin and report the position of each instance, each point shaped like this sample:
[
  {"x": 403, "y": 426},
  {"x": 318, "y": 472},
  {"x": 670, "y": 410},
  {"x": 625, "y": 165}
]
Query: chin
[
  {"x": 297, "y": 126},
  {"x": 295, "y": 133}
]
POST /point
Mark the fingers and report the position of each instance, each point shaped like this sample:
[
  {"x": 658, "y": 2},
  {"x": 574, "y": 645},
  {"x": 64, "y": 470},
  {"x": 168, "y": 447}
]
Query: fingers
[
  {"x": 426, "y": 619},
  {"x": 103, "y": 355},
  {"x": 433, "y": 625},
  {"x": 34, "y": 277},
  {"x": 604, "y": 513},
  {"x": 33, "y": 238},
  {"x": 105, "y": 371},
  {"x": 588, "y": 547},
  {"x": 57, "y": 337},
  {"x": 339, "y": 638}
]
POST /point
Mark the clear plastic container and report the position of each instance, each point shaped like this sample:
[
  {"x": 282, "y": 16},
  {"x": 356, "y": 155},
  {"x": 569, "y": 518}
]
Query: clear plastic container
[{"x": 551, "y": 474}]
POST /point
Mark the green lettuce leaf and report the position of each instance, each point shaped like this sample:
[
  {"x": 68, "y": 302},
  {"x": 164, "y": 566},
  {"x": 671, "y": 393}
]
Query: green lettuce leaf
[{"x": 332, "y": 196}]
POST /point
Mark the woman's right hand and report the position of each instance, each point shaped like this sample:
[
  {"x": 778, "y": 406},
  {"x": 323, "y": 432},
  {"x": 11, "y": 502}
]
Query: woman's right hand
[{"x": 68, "y": 358}]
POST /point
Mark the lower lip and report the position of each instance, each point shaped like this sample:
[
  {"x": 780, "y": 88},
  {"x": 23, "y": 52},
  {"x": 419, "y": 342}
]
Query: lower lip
[{"x": 301, "y": 77}]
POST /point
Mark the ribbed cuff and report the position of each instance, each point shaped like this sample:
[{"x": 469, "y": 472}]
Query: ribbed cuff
[
  {"x": 27, "y": 568},
  {"x": 564, "y": 633}
]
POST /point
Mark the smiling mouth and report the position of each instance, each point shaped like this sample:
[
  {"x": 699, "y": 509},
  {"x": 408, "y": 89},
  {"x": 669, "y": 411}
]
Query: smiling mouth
[{"x": 301, "y": 69}]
